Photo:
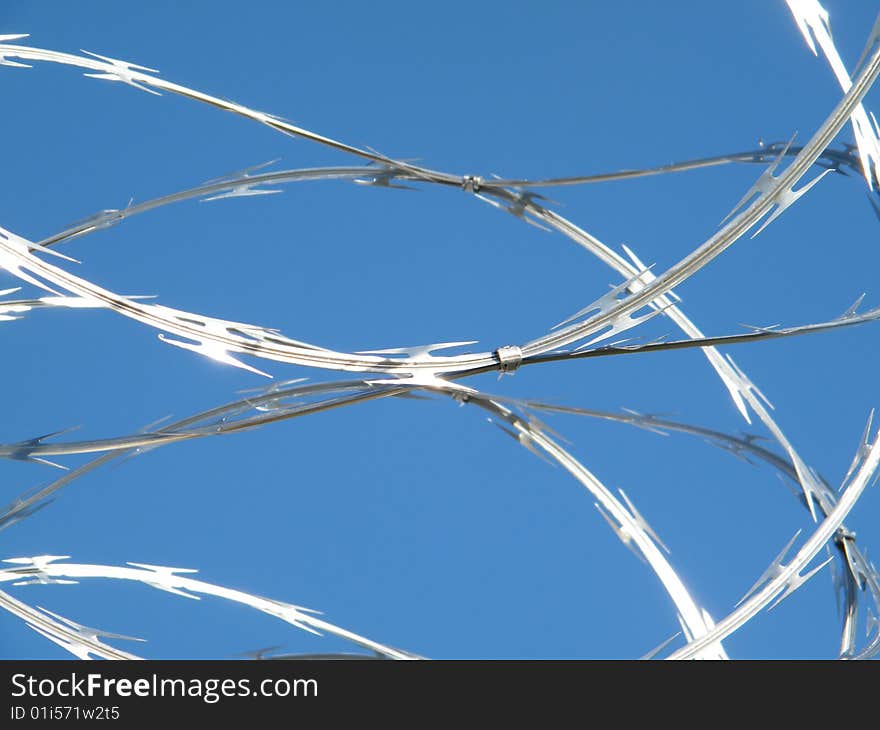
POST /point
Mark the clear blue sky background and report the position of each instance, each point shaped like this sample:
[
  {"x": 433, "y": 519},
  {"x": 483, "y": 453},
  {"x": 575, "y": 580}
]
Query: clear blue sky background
[{"x": 417, "y": 523}]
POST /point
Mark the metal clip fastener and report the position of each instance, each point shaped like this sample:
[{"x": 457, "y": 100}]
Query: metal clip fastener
[
  {"x": 471, "y": 183},
  {"x": 509, "y": 358}
]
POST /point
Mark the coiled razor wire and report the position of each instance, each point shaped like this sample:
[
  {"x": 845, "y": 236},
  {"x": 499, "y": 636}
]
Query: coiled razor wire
[{"x": 585, "y": 334}]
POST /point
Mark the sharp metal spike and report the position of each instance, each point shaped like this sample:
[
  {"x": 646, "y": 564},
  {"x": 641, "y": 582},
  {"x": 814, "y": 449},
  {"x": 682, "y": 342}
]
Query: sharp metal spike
[
  {"x": 772, "y": 571},
  {"x": 621, "y": 533},
  {"x": 642, "y": 522},
  {"x": 795, "y": 582},
  {"x": 861, "y": 451},
  {"x": 214, "y": 351},
  {"x": 244, "y": 172},
  {"x": 660, "y": 647},
  {"x": 763, "y": 184},
  {"x": 607, "y": 301},
  {"x": 786, "y": 198},
  {"x": 417, "y": 351},
  {"x": 244, "y": 190}
]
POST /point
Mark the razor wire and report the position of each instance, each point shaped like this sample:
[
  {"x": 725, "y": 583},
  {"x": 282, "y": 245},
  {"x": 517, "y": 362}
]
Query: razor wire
[{"x": 408, "y": 369}]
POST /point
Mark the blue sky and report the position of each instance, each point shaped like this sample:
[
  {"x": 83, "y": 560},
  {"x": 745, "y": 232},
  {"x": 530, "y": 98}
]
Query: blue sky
[{"x": 416, "y": 523}]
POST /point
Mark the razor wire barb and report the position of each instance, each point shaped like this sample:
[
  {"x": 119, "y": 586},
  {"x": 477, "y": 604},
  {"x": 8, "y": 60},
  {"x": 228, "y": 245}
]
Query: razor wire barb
[{"x": 601, "y": 329}]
